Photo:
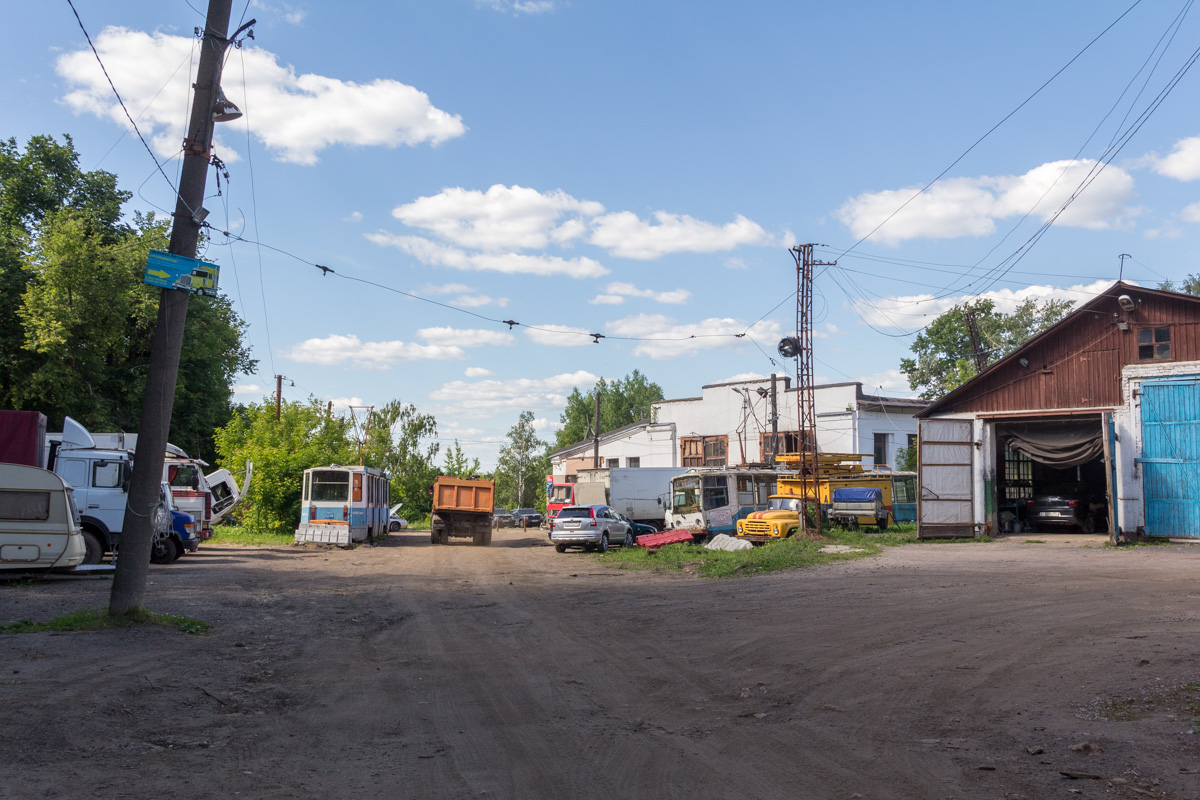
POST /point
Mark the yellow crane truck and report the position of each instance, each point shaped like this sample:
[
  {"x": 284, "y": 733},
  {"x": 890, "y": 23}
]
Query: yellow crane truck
[{"x": 794, "y": 492}]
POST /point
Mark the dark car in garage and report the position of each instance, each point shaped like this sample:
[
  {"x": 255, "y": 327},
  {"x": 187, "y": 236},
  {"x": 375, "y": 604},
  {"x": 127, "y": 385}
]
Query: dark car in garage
[{"x": 1072, "y": 505}]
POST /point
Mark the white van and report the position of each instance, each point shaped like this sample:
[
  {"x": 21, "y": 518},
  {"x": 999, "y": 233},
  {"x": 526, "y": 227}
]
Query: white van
[{"x": 39, "y": 526}]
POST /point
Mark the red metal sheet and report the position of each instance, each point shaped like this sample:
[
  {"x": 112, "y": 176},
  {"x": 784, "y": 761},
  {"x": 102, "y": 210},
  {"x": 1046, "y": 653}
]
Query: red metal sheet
[{"x": 675, "y": 536}]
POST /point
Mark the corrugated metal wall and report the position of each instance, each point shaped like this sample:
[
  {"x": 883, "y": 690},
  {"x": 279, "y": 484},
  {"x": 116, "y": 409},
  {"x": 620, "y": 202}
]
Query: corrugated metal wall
[{"x": 1171, "y": 456}]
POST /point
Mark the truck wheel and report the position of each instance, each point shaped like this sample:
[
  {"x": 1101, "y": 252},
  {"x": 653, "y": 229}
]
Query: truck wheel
[
  {"x": 487, "y": 537},
  {"x": 882, "y": 523},
  {"x": 560, "y": 548},
  {"x": 164, "y": 551},
  {"x": 94, "y": 550},
  {"x": 434, "y": 538},
  {"x": 603, "y": 546}
]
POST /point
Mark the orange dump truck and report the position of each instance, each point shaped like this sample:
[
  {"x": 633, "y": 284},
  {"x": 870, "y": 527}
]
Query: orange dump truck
[{"x": 463, "y": 508}]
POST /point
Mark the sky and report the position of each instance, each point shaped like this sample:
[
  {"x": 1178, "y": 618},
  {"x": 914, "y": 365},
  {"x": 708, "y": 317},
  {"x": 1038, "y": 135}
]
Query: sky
[{"x": 635, "y": 170}]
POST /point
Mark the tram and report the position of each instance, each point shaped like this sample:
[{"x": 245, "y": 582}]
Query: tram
[{"x": 343, "y": 505}]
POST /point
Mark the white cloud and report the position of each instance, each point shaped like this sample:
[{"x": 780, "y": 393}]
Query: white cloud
[
  {"x": 1183, "y": 164},
  {"x": 744, "y": 376},
  {"x": 914, "y": 311},
  {"x": 466, "y": 297},
  {"x": 671, "y": 339},
  {"x": 295, "y": 115},
  {"x": 890, "y": 381},
  {"x": 624, "y": 234},
  {"x": 341, "y": 405},
  {"x": 355, "y": 216},
  {"x": 502, "y": 218},
  {"x": 249, "y": 388},
  {"x": 559, "y": 335},
  {"x": 466, "y": 337},
  {"x": 548, "y": 425},
  {"x": 478, "y": 372},
  {"x": 513, "y": 218},
  {"x": 520, "y": 6},
  {"x": 616, "y": 293},
  {"x": 736, "y": 263},
  {"x": 1190, "y": 213},
  {"x": 971, "y": 206},
  {"x": 347, "y": 350},
  {"x": 482, "y": 399},
  {"x": 435, "y": 254}
]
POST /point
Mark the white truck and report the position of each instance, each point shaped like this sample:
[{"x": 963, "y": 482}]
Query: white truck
[
  {"x": 640, "y": 493},
  {"x": 99, "y": 466}
]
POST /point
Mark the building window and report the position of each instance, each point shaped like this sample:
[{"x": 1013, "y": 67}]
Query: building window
[
  {"x": 612, "y": 463},
  {"x": 785, "y": 442},
  {"x": 881, "y": 448},
  {"x": 912, "y": 441},
  {"x": 1018, "y": 475},
  {"x": 1154, "y": 344},
  {"x": 634, "y": 461},
  {"x": 703, "y": 451}
]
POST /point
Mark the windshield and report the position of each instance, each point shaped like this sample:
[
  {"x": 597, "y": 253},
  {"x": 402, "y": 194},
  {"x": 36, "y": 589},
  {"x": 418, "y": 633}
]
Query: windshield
[
  {"x": 685, "y": 495},
  {"x": 784, "y": 503},
  {"x": 524, "y": 511},
  {"x": 562, "y": 493},
  {"x": 330, "y": 486}
]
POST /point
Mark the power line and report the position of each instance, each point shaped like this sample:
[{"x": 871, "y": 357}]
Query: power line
[{"x": 128, "y": 116}]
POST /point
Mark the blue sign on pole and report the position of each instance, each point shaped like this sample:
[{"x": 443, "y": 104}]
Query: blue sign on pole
[{"x": 179, "y": 272}]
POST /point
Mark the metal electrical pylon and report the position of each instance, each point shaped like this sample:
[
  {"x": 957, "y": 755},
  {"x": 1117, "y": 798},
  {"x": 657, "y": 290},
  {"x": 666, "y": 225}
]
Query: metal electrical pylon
[{"x": 806, "y": 411}]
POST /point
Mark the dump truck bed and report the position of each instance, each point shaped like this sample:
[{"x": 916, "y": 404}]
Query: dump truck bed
[{"x": 460, "y": 494}]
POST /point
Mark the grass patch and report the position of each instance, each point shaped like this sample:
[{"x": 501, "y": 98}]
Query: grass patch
[
  {"x": 245, "y": 537},
  {"x": 1181, "y": 701},
  {"x": 95, "y": 619},
  {"x": 791, "y": 553},
  {"x": 1035, "y": 541}
]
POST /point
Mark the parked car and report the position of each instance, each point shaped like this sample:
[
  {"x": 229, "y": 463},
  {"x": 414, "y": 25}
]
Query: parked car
[
  {"x": 639, "y": 528},
  {"x": 527, "y": 518},
  {"x": 589, "y": 527},
  {"x": 395, "y": 521},
  {"x": 501, "y": 518},
  {"x": 1069, "y": 504}
]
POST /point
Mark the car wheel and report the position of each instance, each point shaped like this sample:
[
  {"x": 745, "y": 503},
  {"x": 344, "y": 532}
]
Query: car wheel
[
  {"x": 629, "y": 540},
  {"x": 93, "y": 549},
  {"x": 560, "y": 548},
  {"x": 393, "y": 527},
  {"x": 164, "y": 550},
  {"x": 1089, "y": 524},
  {"x": 603, "y": 546}
]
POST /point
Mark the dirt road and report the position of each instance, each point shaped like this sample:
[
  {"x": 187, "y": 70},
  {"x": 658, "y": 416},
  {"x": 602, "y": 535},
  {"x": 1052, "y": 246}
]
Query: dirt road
[{"x": 413, "y": 671}]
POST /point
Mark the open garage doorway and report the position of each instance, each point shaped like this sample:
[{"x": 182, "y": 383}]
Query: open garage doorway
[{"x": 1051, "y": 475}]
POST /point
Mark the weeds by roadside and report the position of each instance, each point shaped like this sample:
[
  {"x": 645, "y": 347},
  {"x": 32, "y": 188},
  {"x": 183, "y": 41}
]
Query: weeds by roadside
[
  {"x": 95, "y": 619},
  {"x": 237, "y": 535}
]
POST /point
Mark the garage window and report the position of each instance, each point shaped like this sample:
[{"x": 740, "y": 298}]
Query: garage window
[{"x": 1154, "y": 344}]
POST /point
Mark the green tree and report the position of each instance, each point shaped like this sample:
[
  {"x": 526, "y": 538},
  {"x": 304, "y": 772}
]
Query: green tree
[
  {"x": 944, "y": 352},
  {"x": 304, "y": 436},
  {"x": 458, "y": 465},
  {"x": 402, "y": 442},
  {"x": 1189, "y": 285},
  {"x": 522, "y": 467},
  {"x": 76, "y": 321},
  {"x": 622, "y": 402}
]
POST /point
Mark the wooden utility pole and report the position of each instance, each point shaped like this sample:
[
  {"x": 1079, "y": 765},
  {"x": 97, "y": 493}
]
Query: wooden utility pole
[
  {"x": 596, "y": 433},
  {"x": 278, "y": 395},
  {"x": 774, "y": 421},
  {"x": 137, "y": 529}
]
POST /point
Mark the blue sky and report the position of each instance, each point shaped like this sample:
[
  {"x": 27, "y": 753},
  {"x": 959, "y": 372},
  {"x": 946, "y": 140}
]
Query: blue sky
[{"x": 637, "y": 170}]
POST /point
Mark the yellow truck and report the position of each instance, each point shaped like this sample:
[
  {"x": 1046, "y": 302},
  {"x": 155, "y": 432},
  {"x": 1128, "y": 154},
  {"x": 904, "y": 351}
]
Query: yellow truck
[{"x": 781, "y": 519}]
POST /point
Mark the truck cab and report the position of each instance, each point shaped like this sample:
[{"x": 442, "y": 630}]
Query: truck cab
[{"x": 100, "y": 479}]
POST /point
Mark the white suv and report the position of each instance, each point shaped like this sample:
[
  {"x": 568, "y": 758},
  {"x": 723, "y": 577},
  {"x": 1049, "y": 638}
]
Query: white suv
[{"x": 589, "y": 527}]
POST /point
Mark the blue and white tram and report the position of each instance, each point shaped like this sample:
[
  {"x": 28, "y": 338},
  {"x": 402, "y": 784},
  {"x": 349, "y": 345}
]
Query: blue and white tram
[
  {"x": 343, "y": 505},
  {"x": 710, "y": 500}
]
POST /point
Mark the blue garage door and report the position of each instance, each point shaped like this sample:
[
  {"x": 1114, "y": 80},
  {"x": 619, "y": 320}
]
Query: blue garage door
[{"x": 1171, "y": 456}]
